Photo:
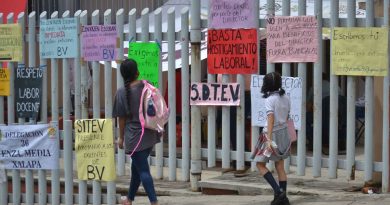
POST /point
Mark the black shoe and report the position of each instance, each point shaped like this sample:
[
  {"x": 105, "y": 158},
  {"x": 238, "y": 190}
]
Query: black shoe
[
  {"x": 279, "y": 199},
  {"x": 285, "y": 200}
]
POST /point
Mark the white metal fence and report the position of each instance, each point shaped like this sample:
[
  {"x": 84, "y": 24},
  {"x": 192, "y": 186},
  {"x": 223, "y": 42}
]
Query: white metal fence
[{"x": 192, "y": 151}]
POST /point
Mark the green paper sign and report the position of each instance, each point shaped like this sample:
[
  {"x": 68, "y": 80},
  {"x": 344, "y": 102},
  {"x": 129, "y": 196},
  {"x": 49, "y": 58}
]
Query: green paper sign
[{"x": 147, "y": 56}]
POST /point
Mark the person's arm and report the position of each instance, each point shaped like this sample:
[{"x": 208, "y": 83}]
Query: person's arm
[
  {"x": 270, "y": 125},
  {"x": 122, "y": 122}
]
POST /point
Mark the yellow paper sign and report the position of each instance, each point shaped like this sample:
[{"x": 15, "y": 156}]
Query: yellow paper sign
[
  {"x": 4, "y": 82},
  {"x": 95, "y": 149},
  {"x": 10, "y": 42},
  {"x": 360, "y": 51}
]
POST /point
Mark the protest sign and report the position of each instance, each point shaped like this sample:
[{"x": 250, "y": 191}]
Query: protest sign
[
  {"x": 293, "y": 88},
  {"x": 11, "y": 42},
  {"x": 227, "y": 94},
  {"x": 360, "y": 51},
  {"x": 292, "y": 39},
  {"x": 4, "y": 82},
  {"x": 99, "y": 43},
  {"x": 95, "y": 149},
  {"x": 29, "y": 146},
  {"x": 232, "y": 51},
  {"x": 58, "y": 38},
  {"x": 28, "y": 90},
  {"x": 147, "y": 56},
  {"x": 232, "y": 14}
]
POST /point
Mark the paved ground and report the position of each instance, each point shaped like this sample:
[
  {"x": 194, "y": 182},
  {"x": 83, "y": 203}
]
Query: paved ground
[{"x": 265, "y": 200}]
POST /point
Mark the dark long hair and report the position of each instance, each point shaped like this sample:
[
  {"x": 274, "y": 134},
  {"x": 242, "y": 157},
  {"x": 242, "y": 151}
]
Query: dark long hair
[
  {"x": 129, "y": 72},
  {"x": 272, "y": 83}
]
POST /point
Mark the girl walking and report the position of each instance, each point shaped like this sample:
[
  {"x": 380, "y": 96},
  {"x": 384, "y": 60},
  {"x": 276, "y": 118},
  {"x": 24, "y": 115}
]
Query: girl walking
[
  {"x": 126, "y": 108},
  {"x": 274, "y": 143}
]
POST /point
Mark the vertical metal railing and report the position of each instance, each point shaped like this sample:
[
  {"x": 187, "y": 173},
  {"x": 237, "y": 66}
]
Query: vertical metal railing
[
  {"x": 96, "y": 185},
  {"x": 334, "y": 105},
  {"x": 159, "y": 148},
  {"x": 185, "y": 92},
  {"x": 195, "y": 36},
  {"x": 385, "y": 151},
  {"x": 172, "y": 94},
  {"x": 302, "y": 73},
  {"x": 351, "y": 97},
  {"x": 55, "y": 174},
  {"x": 4, "y": 185}
]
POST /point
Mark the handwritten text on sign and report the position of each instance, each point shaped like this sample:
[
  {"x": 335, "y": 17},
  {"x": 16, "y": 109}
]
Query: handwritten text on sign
[
  {"x": 58, "y": 38},
  {"x": 95, "y": 149},
  {"x": 147, "y": 56},
  {"x": 292, "y": 39},
  {"x": 215, "y": 94},
  {"x": 29, "y": 146},
  {"x": 11, "y": 42},
  {"x": 4, "y": 82},
  {"x": 293, "y": 88},
  {"x": 99, "y": 43},
  {"x": 28, "y": 90},
  {"x": 232, "y": 51},
  {"x": 232, "y": 14},
  {"x": 360, "y": 51}
]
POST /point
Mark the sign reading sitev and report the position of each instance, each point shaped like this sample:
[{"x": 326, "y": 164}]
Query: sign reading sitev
[{"x": 217, "y": 94}]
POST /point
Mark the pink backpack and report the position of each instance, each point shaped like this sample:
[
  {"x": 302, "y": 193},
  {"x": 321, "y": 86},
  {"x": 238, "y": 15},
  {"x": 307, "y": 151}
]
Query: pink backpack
[{"x": 153, "y": 111}]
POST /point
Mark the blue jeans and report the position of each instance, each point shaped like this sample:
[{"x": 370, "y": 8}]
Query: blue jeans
[{"x": 140, "y": 172}]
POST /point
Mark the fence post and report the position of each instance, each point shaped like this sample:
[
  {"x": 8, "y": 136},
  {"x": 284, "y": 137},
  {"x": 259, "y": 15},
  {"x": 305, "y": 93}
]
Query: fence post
[
  {"x": 97, "y": 189},
  {"x": 172, "y": 94},
  {"x": 29, "y": 178},
  {"x": 55, "y": 182},
  {"x": 195, "y": 35},
  {"x": 4, "y": 185},
  {"x": 286, "y": 70},
  {"x": 77, "y": 71},
  {"x": 119, "y": 81},
  {"x": 317, "y": 102},
  {"x": 111, "y": 189},
  {"x": 158, "y": 37},
  {"x": 302, "y": 73},
  {"x": 185, "y": 90},
  {"x": 84, "y": 105},
  {"x": 16, "y": 186},
  {"x": 68, "y": 162},
  {"x": 334, "y": 105},
  {"x": 351, "y": 97},
  {"x": 254, "y": 129},
  {"x": 385, "y": 152},
  {"x": 369, "y": 108}
]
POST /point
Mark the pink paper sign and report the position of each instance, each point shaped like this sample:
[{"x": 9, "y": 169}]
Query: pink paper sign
[
  {"x": 292, "y": 39},
  {"x": 232, "y": 14},
  {"x": 99, "y": 43},
  {"x": 227, "y": 94}
]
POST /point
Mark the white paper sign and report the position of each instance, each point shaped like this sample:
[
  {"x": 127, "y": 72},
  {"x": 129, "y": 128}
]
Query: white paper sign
[
  {"x": 29, "y": 146},
  {"x": 293, "y": 88}
]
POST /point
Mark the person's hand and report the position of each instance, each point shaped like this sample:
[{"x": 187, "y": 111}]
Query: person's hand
[{"x": 120, "y": 143}]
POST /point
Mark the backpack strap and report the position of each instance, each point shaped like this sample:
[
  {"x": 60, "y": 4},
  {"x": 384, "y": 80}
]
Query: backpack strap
[{"x": 141, "y": 116}]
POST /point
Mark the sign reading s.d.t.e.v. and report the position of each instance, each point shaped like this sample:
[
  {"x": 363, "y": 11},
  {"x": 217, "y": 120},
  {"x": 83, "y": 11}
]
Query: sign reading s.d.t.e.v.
[
  {"x": 58, "y": 38},
  {"x": 29, "y": 146},
  {"x": 99, "y": 43},
  {"x": 215, "y": 94},
  {"x": 28, "y": 91}
]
